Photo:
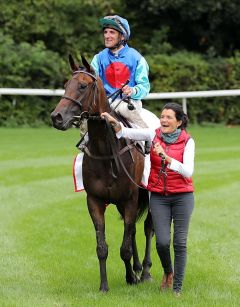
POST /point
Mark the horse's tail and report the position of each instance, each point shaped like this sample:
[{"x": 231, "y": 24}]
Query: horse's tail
[{"x": 143, "y": 202}]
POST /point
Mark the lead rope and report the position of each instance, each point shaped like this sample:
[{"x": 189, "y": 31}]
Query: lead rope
[
  {"x": 162, "y": 170},
  {"x": 163, "y": 165}
]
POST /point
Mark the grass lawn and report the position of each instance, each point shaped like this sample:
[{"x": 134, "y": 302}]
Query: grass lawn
[{"x": 47, "y": 240}]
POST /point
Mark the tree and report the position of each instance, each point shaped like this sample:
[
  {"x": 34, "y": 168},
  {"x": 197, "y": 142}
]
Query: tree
[{"x": 206, "y": 26}]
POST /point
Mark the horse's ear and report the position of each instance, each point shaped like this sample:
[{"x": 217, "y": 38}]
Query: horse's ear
[
  {"x": 87, "y": 65},
  {"x": 73, "y": 66}
]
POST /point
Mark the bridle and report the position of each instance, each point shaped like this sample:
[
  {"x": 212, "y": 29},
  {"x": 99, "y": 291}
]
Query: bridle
[{"x": 80, "y": 99}]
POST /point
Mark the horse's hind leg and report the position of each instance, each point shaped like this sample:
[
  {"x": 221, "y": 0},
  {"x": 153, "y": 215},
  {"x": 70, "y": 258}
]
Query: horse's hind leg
[
  {"x": 97, "y": 211},
  {"x": 126, "y": 253},
  {"x": 147, "y": 263}
]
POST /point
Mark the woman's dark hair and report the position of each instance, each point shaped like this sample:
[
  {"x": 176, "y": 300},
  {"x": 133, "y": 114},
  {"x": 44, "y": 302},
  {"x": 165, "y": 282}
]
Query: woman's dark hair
[{"x": 180, "y": 115}]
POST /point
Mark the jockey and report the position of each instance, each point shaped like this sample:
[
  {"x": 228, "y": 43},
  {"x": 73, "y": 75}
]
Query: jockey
[{"x": 118, "y": 63}]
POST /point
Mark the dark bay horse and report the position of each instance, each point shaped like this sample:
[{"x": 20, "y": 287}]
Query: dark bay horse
[{"x": 111, "y": 167}]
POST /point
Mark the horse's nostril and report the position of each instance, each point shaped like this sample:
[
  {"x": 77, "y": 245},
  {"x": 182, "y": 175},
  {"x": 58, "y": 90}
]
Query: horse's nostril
[{"x": 56, "y": 117}]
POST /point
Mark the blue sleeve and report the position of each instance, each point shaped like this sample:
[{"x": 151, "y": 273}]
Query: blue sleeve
[
  {"x": 94, "y": 64},
  {"x": 142, "y": 87}
]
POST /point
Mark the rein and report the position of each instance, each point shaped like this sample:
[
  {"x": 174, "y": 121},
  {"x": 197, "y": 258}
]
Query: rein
[
  {"x": 116, "y": 154},
  {"x": 120, "y": 160}
]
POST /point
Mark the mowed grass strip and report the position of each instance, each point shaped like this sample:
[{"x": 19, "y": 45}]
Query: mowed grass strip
[{"x": 47, "y": 242}]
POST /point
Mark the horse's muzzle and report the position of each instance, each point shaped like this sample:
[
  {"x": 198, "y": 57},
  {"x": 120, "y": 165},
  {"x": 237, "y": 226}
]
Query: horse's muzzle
[{"x": 57, "y": 121}]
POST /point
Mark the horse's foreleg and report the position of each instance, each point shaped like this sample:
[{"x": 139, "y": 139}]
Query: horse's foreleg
[
  {"x": 147, "y": 263},
  {"x": 126, "y": 250},
  {"x": 97, "y": 211},
  {"x": 137, "y": 266}
]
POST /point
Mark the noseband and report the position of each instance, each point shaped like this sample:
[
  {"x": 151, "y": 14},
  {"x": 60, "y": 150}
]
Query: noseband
[{"x": 78, "y": 102}]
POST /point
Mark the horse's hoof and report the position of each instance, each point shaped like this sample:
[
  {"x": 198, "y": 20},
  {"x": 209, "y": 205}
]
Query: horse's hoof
[
  {"x": 146, "y": 277},
  {"x": 104, "y": 289},
  {"x": 133, "y": 280}
]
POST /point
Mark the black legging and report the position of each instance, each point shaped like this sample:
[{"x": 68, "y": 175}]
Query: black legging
[{"x": 165, "y": 209}]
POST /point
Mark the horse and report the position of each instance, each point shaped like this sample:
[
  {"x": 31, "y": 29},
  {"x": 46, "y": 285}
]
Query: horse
[{"x": 112, "y": 171}]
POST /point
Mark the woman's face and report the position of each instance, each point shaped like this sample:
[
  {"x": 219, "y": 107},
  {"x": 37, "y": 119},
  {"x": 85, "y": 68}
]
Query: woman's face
[{"x": 168, "y": 121}]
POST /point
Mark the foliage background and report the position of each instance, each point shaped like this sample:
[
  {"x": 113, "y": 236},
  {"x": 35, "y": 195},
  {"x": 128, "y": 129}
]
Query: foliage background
[{"x": 188, "y": 45}]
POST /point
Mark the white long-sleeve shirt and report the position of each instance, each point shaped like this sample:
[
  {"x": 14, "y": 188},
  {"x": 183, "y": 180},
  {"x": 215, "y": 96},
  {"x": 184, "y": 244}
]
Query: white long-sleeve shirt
[{"x": 147, "y": 134}]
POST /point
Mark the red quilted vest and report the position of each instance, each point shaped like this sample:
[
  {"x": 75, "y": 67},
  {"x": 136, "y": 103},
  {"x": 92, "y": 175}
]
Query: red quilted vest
[{"x": 172, "y": 182}]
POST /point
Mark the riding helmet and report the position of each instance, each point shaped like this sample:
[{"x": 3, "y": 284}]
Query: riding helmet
[{"x": 117, "y": 23}]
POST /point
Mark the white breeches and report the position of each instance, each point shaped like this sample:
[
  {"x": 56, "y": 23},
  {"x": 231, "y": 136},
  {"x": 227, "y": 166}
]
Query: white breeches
[{"x": 133, "y": 116}]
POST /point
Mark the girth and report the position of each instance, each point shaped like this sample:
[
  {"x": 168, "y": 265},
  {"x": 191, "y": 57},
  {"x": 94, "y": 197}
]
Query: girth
[{"x": 129, "y": 147}]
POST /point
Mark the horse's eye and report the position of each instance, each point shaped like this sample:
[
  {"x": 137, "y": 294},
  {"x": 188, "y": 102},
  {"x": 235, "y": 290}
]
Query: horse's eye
[{"x": 82, "y": 86}]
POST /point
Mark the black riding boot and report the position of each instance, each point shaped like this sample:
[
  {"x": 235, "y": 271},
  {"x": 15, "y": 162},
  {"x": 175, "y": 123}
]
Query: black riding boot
[
  {"x": 148, "y": 145},
  {"x": 83, "y": 142}
]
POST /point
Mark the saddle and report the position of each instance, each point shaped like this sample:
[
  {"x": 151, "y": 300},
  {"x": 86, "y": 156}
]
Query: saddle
[
  {"x": 145, "y": 149},
  {"x": 126, "y": 123}
]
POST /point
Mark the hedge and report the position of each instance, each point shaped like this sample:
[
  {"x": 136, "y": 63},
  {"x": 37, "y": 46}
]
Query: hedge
[{"x": 33, "y": 66}]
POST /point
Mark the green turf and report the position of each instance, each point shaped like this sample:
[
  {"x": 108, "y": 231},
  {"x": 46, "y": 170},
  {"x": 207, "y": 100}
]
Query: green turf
[{"x": 47, "y": 241}]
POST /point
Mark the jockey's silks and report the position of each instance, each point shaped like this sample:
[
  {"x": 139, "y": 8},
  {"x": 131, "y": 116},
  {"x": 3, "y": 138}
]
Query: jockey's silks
[{"x": 115, "y": 69}]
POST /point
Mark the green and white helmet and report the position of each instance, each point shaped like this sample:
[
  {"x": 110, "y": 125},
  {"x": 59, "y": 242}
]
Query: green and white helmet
[{"x": 117, "y": 23}]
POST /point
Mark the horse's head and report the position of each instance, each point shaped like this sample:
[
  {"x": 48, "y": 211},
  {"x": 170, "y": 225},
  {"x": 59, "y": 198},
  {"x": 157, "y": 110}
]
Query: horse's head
[{"x": 84, "y": 96}]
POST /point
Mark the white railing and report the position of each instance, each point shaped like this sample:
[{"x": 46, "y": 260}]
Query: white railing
[
  {"x": 30, "y": 92},
  {"x": 173, "y": 95}
]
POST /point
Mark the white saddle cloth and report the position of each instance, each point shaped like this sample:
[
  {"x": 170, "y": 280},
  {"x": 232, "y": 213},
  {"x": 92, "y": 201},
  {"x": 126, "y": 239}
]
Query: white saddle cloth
[{"x": 152, "y": 121}]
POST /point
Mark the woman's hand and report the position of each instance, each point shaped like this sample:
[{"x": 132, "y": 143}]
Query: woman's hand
[
  {"x": 109, "y": 117},
  {"x": 115, "y": 124},
  {"x": 157, "y": 148}
]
